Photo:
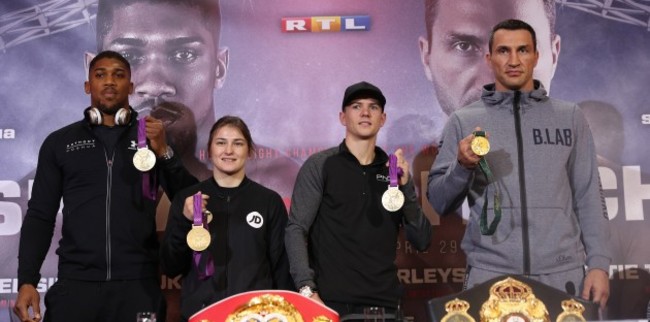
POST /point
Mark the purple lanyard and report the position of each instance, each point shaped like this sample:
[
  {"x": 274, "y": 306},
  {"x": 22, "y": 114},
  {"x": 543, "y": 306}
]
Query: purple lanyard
[
  {"x": 149, "y": 184},
  {"x": 393, "y": 171},
  {"x": 200, "y": 219},
  {"x": 142, "y": 134}
]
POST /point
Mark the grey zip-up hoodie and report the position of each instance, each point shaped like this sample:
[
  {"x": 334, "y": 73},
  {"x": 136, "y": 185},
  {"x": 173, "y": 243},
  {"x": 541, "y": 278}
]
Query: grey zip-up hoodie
[{"x": 543, "y": 162}]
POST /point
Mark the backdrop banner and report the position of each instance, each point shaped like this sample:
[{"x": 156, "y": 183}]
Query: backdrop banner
[{"x": 283, "y": 66}]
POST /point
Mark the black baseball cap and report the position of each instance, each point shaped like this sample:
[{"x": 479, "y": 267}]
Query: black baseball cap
[{"x": 363, "y": 90}]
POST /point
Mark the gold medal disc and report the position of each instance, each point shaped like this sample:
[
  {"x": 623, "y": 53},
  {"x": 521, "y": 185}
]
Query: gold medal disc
[
  {"x": 480, "y": 145},
  {"x": 392, "y": 199},
  {"x": 144, "y": 159},
  {"x": 198, "y": 238}
]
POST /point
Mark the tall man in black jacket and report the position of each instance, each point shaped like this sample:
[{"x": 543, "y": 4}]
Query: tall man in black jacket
[{"x": 108, "y": 263}]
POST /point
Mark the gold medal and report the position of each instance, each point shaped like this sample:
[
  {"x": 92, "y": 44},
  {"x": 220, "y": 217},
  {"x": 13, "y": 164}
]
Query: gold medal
[
  {"x": 392, "y": 199},
  {"x": 198, "y": 238},
  {"x": 144, "y": 159},
  {"x": 480, "y": 144}
]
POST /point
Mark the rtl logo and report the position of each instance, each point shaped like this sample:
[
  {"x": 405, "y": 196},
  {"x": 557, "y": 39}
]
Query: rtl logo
[{"x": 326, "y": 24}]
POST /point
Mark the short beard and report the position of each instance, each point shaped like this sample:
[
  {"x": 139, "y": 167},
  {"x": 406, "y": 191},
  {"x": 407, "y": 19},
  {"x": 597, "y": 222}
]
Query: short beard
[{"x": 111, "y": 109}]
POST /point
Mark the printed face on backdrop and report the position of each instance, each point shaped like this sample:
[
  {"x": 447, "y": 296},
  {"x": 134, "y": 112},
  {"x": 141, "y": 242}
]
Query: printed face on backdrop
[
  {"x": 362, "y": 118},
  {"x": 608, "y": 130},
  {"x": 229, "y": 151},
  {"x": 453, "y": 58},
  {"x": 176, "y": 64},
  {"x": 109, "y": 85},
  {"x": 512, "y": 60}
]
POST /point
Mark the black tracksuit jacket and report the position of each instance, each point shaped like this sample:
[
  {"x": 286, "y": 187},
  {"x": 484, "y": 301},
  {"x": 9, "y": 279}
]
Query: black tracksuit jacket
[
  {"x": 109, "y": 229},
  {"x": 247, "y": 245}
]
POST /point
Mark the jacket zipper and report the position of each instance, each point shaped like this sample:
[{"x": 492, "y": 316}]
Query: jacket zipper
[
  {"x": 522, "y": 184},
  {"x": 109, "y": 185},
  {"x": 227, "y": 244}
]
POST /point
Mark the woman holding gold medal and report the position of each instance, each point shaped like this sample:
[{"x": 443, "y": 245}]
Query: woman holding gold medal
[{"x": 225, "y": 235}]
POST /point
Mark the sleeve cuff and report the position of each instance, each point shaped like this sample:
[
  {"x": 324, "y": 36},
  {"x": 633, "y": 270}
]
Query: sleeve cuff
[{"x": 599, "y": 262}]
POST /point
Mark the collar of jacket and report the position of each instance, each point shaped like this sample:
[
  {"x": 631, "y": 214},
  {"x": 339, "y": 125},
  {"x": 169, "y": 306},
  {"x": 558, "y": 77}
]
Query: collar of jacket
[
  {"x": 491, "y": 96},
  {"x": 380, "y": 156},
  {"x": 230, "y": 192}
]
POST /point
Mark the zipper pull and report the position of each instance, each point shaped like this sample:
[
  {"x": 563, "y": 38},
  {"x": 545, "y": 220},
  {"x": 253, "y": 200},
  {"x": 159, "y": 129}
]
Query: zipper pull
[{"x": 515, "y": 101}]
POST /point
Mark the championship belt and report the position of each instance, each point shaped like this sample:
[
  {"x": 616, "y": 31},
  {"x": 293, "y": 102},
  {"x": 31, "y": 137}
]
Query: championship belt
[
  {"x": 198, "y": 238},
  {"x": 457, "y": 311},
  {"x": 143, "y": 159},
  {"x": 393, "y": 198},
  {"x": 268, "y": 307},
  {"x": 571, "y": 312},
  {"x": 481, "y": 146},
  {"x": 513, "y": 301}
]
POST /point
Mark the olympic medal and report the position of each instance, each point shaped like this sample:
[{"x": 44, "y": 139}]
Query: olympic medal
[
  {"x": 198, "y": 238},
  {"x": 392, "y": 199},
  {"x": 480, "y": 145},
  {"x": 144, "y": 159}
]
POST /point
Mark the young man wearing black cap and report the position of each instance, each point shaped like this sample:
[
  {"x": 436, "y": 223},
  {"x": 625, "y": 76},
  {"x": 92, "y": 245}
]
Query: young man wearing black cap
[{"x": 341, "y": 237}]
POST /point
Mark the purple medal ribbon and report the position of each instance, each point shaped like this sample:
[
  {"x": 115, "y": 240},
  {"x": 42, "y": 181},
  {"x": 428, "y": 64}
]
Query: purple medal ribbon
[
  {"x": 142, "y": 134},
  {"x": 200, "y": 219},
  {"x": 149, "y": 184},
  {"x": 393, "y": 171}
]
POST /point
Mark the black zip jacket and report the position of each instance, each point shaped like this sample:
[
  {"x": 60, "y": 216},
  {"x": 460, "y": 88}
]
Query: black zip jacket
[
  {"x": 247, "y": 244},
  {"x": 340, "y": 239},
  {"x": 108, "y": 230}
]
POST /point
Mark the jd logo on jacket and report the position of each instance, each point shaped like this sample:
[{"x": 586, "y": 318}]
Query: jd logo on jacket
[{"x": 254, "y": 219}]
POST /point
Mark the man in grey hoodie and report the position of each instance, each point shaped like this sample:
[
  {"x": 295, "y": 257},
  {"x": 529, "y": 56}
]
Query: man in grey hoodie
[{"x": 535, "y": 198}]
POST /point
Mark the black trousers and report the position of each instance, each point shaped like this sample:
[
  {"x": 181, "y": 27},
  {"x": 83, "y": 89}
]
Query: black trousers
[
  {"x": 350, "y": 312},
  {"x": 84, "y": 301}
]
